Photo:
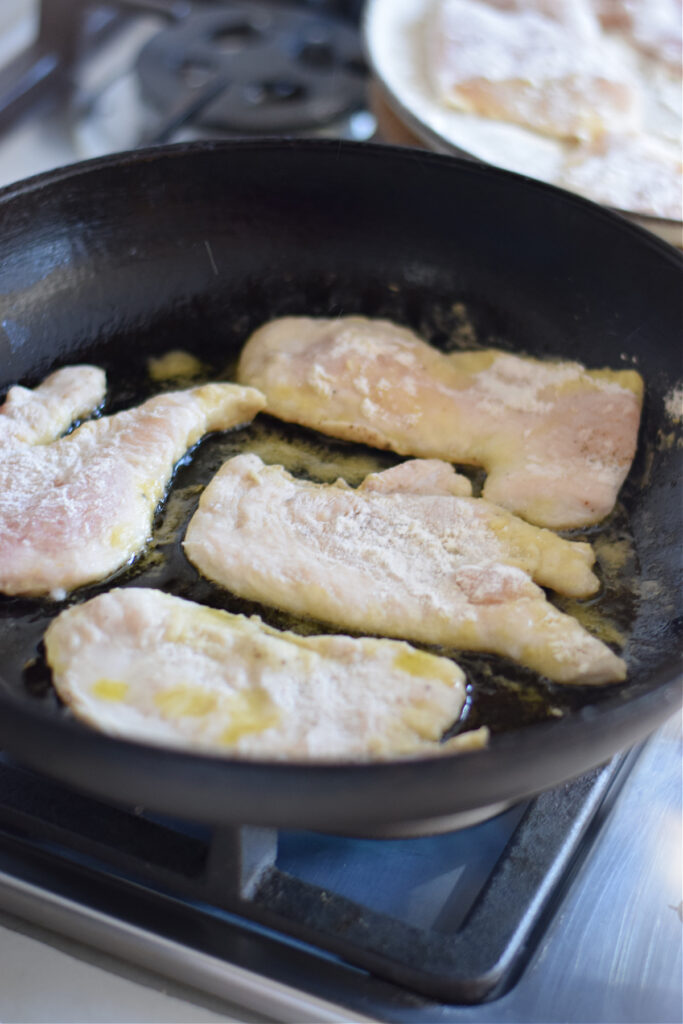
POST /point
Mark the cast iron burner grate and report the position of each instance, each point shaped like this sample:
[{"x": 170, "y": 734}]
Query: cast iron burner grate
[
  {"x": 230, "y": 67},
  {"x": 191, "y": 884},
  {"x": 253, "y": 68}
]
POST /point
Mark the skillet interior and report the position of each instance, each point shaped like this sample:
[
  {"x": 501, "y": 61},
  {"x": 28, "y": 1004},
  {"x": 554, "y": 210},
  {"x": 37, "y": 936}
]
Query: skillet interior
[{"x": 193, "y": 247}]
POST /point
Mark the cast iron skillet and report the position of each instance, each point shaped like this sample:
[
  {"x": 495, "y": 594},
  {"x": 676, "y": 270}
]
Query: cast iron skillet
[{"x": 192, "y": 247}]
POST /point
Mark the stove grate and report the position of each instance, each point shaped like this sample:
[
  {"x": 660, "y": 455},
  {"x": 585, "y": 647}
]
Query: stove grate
[
  {"x": 237, "y": 870},
  {"x": 221, "y": 66},
  {"x": 253, "y": 67}
]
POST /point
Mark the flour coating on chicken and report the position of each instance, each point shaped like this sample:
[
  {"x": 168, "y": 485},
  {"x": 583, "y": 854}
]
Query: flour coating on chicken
[
  {"x": 147, "y": 666},
  {"x": 532, "y": 65},
  {"x": 75, "y": 509},
  {"x": 645, "y": 174},
  {"x": 438, "y": 569},
  {"x": 557, "y": 440},
  {"x": 419, "y": 476},
  {"x": 654, "y": 26}
]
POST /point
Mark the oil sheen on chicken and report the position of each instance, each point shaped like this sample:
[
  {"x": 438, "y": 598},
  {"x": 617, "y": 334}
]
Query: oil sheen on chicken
[
  {"x": 74, "y": 510},
  {"x": 557, "y": 440},
  {"x": 435, "y": 568},
  {"x": 144, "y": 665}
]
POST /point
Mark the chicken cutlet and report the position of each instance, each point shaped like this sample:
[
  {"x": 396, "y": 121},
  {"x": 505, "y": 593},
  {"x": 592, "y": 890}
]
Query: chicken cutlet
[
  {"x": 633, "y": 172},
  {"x": 531, "y": 65},
  {"x": 418, "y": 476},
  {"x": 655, "y": 27},
  {"x": 438, "y": 569},
  {"x": 556, "y": 440},
  {"x": 40, "y": 415},
  {"x": 75, "y": 509},
  {"x": 180, "y": 674}
]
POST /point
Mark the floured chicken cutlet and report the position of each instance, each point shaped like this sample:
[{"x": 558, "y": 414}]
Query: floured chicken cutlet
[
  {"x": 538, "y": 68},
  {"x": 74, "y": 510},
  {"x": 556, "y": 440},
  {"x": 147, "y": 666},
  {"x": 435, "y": 568},
  {"x": 417, "y": 476},
  {"x": 655, "y": 27},
  {"x": 634, "y": 172}
]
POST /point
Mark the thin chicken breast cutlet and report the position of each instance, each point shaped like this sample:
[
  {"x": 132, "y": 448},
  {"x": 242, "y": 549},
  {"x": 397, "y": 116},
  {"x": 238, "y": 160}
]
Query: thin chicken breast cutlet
[
  {"x": 74, "y": 510},
  {"x": 556, "y": 440},
  {"x": 144, "y": 665},
  {"x": 431, "y": 567}
]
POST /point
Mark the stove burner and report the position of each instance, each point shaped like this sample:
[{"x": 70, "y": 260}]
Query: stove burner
[{"x": 254, "y": 68}]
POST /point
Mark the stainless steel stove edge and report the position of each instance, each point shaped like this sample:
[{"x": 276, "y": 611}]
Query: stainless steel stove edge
[{"x": 148, "y": 950}]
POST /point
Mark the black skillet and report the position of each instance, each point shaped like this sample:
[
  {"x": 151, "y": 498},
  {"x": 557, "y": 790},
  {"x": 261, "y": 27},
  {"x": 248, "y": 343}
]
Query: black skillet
[{"x": 192, "y": 247}]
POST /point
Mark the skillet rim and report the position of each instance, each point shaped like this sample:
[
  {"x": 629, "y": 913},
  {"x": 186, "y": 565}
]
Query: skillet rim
[
  {"x": 373, "y": 149},
  {"x": 327, "y": 796},
  {"x": 660, "y": 699}
]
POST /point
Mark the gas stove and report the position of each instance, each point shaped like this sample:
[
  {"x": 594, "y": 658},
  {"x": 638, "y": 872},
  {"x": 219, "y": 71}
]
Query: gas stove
[{"x": 564, "y": 908}]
